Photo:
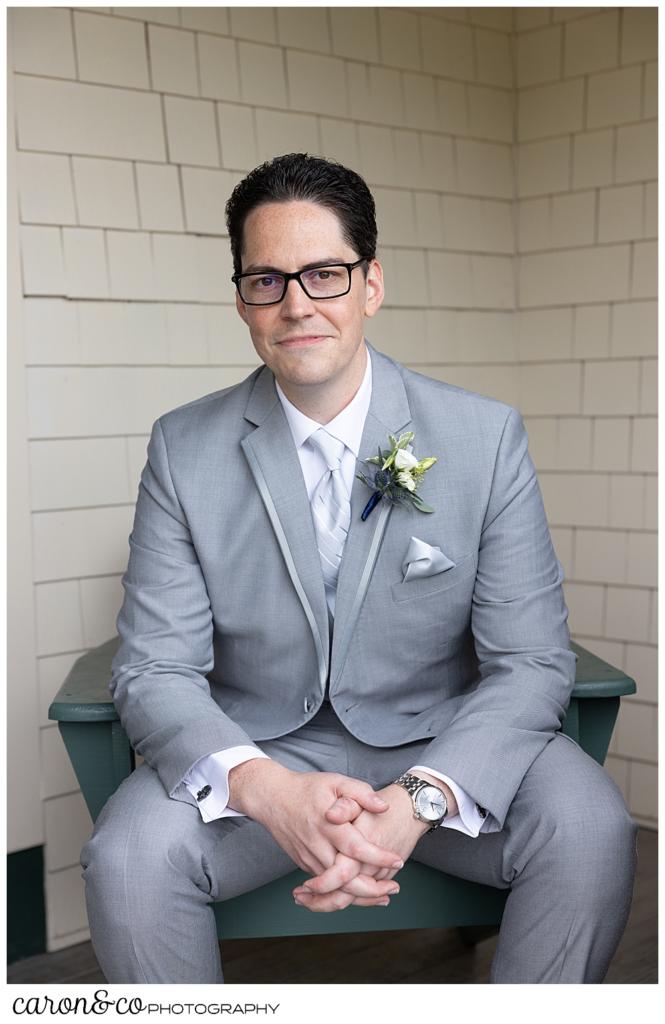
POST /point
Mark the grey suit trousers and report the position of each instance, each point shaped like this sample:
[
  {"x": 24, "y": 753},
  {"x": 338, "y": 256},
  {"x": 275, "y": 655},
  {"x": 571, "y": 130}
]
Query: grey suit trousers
[{"x": 152, "y": 867}]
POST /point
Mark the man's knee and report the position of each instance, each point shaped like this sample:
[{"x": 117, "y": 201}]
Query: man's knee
[
  {"x": 603, "y": 829},
  {"x": 141, "y": 834},
  {"x": 589, "y": 805},
  {"x": 572, "y": 813},
  {"x": 594, "y": 856}
]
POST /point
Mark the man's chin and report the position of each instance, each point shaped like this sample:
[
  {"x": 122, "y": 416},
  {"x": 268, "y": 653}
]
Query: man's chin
[
  {"x": 309, "y": 363},
  {"x": 304, "y": 380},
  {"x": 306, "y": 375}
]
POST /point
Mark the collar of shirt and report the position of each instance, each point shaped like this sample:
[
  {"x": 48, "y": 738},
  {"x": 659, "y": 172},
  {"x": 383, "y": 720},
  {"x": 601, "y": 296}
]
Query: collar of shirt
[{"x": 347, "y": 426}]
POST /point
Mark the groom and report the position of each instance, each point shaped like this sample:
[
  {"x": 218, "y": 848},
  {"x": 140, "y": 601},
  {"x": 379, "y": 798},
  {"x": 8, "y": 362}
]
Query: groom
[{"x": 310, "y": 686}]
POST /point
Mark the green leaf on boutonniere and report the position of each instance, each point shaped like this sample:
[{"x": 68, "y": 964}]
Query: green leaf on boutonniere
[{"x": 420, "y": 504}]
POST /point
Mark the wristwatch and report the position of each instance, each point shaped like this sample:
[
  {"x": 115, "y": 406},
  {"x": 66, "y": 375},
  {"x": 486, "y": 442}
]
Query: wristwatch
[{"x": 429, "y": 802}]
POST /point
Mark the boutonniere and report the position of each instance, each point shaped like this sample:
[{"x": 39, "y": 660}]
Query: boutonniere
[{"x": 397, "y": 476}]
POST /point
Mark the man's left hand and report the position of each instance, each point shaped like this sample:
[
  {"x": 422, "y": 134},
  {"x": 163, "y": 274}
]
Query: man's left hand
[{"x": 345, "y": 882}]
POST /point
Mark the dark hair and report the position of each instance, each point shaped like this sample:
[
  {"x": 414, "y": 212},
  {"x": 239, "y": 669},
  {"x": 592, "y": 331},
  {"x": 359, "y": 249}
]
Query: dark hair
[{"x": 311, "y": 178}]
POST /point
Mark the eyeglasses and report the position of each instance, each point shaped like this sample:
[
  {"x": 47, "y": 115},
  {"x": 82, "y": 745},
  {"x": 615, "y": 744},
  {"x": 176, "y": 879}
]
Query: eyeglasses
[{"x": 269, "y": 287}]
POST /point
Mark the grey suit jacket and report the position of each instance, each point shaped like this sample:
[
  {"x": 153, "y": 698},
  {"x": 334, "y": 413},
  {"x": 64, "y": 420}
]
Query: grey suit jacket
[{"x": 224, "y": 626}]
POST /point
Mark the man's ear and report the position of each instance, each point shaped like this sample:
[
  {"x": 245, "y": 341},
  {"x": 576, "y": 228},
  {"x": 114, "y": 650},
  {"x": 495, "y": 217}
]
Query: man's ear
[
  {"x": 241, "y": 307},
  {"x": 374, "y": 288}
]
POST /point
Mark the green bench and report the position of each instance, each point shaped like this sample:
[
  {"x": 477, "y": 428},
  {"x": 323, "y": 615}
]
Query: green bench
[{"x": 102, "y": 757}]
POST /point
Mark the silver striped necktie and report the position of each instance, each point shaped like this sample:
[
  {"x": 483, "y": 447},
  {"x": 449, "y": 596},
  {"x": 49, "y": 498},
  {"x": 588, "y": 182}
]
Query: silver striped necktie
[{"x": 331, "y": 510}]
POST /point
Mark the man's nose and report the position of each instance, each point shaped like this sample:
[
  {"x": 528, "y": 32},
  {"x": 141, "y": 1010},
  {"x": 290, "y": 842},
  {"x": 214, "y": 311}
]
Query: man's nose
[{"x": 296, "y": 302}]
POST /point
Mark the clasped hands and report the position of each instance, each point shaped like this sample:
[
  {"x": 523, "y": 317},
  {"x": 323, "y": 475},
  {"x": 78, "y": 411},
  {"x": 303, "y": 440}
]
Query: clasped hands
[
  {"x": 365, "y": 877},
  {"x": 351, "y": 839}
]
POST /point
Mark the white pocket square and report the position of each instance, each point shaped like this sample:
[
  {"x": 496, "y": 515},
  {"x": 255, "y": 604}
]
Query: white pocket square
[{"x": 424, "y": 559}]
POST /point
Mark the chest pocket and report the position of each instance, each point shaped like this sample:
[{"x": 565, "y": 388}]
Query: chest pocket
[{"x": 437, "y": 584}]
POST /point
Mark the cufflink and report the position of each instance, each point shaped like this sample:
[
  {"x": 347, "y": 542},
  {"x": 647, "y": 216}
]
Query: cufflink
[
  {"x": 203, "y": 793},
  {"x": 481, "y": 811}
]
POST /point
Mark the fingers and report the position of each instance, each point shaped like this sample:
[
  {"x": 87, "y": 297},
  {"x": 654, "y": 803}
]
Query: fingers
[
  {"x": 347, "y": 874},
  {"x": 337, "y": 876},
  {"x": 315, "y": 859},
  {"x": 361, "y": 885},
  {"x": 351, "y": 842},
  {"x": 344, "y": 809},
  {"x": 337, "y": 900},
  {"x": 379, "y": 873},
  {"x": 365, "y": 885},
  {"x": 363, "y": 794}
]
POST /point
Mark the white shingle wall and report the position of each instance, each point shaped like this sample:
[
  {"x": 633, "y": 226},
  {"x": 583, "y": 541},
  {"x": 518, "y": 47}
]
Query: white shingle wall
[
  {"x": 514, "y": 173},
  {"x": 586, "y": 152}
]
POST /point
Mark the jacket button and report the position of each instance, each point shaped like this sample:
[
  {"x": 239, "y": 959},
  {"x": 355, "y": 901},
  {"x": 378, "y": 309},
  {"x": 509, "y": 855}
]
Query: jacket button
[
  {"x": 203, "y": 793},
  {"x": 309, "y": 703}
]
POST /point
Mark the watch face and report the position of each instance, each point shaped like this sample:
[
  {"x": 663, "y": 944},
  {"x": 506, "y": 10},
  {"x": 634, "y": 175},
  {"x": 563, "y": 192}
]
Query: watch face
[{"x": 431, "y": 803}]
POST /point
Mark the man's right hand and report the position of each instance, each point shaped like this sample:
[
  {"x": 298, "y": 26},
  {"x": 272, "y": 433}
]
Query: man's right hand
[{"x": 292, "y": 806}]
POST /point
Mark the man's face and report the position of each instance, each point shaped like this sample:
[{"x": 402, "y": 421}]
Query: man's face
[{"x": 307, "y": 341}]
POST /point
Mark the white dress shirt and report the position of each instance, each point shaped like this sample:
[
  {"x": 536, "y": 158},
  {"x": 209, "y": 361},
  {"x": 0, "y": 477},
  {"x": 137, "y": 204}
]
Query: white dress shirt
[{"x": 213, "y": 769}]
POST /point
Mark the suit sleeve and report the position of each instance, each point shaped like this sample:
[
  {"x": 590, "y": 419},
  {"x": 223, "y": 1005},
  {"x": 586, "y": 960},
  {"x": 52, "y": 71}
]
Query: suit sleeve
[
  {"x": 519, "y": 624},
  {"x": 158, "y": 680}
]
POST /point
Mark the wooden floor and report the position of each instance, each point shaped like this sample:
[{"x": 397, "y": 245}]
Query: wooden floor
[{"x": 433, "y": 956}]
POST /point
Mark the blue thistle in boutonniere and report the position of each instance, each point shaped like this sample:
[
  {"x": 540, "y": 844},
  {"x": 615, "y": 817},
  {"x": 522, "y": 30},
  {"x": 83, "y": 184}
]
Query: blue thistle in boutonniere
[{"x": 397, "y": 476}]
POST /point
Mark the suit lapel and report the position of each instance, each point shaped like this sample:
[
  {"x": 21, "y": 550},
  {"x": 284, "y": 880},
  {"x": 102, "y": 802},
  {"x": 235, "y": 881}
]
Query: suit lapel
[
  {"x": 275, "y": 465},
  {"x": 276, "y": 469},
  {"x": 388, "y": 413}
]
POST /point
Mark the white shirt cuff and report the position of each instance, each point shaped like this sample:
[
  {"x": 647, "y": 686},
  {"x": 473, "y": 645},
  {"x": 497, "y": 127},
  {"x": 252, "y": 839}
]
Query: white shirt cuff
[
  {"x": 471, "y": 818},
  {"x": 208, "y": 780}
]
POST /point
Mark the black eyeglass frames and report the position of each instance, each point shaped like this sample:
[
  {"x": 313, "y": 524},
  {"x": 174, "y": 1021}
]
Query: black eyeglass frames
[{"x": 267, "y": 288}]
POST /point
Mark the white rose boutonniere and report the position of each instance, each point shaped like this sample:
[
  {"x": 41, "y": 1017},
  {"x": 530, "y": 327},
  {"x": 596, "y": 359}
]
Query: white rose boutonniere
[{"x": 398, "y": 475}]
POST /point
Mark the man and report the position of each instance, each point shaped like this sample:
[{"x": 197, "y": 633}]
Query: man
[{"x": 310, "y": 686}]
